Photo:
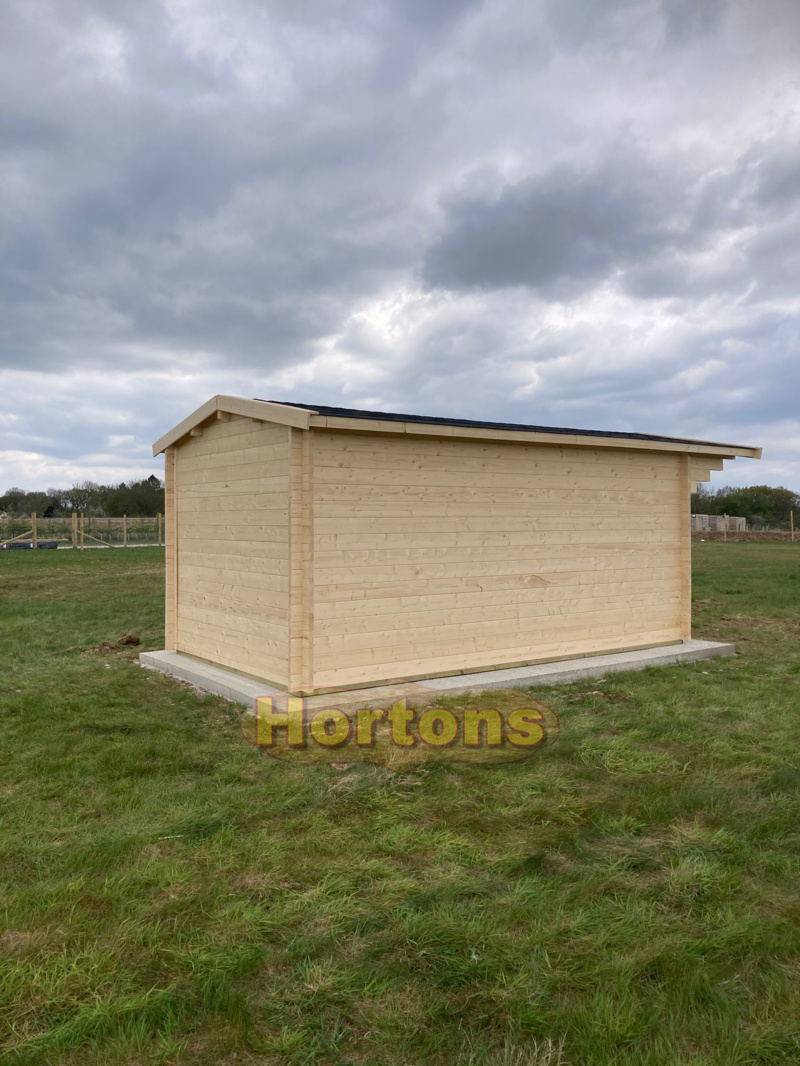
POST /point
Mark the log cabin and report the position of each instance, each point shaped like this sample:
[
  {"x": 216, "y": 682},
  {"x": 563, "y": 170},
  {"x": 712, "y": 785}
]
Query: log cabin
[{"x": 320, "y": 548}]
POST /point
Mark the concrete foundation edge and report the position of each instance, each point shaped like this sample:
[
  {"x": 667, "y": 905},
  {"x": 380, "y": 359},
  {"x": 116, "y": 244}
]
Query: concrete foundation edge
[{"x": 239, "y": 689}]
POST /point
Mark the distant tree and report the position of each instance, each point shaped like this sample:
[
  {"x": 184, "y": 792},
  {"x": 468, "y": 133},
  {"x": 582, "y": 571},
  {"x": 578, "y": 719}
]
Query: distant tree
[
  {"x": 702, "y": 500},
  {"x": 20, "y": 504},
  {"x": 137, "y": 498},
  {"x": 11, "y": 502},
  {"x": 58, "y": 502},
  {"x": 761, "y": 505},
  {"x": 143, "y": 498},
  {"x": 85, "y": 497}
]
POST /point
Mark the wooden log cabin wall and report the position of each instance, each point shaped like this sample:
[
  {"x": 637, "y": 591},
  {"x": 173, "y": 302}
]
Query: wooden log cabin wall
[{"x": 319, "y": 548}]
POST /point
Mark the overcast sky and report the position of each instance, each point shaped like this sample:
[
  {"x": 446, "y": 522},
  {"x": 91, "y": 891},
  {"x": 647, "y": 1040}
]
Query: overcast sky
[{"x": 581, "y": 213}]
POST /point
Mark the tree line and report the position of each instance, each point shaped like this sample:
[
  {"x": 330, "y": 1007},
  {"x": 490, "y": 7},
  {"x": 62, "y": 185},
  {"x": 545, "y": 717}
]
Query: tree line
[
  {"x": 134, "y": 498},
  {"x": 764, "y": 507}
]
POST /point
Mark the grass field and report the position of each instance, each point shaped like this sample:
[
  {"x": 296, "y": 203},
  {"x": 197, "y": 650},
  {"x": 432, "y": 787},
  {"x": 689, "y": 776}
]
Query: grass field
[{"x": 171, "y": 894}]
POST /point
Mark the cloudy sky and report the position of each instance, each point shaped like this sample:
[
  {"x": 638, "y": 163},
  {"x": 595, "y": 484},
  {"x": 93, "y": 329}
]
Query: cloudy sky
[{"x": 582, "y": 213}]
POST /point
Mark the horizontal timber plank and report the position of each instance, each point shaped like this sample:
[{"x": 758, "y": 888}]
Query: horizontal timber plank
[
  {"x": 233, "y": 503},
  {"x": 346, "y": 658},
  {"x": 542, "y": 606},
  {"x": 476, "y": 496},
  {"x": 375, "y": 522},
  {"x": 217, "y": 432},
  {"x": 332, "y": 449},
  {"x": 232, "y": 458},
  {"x": 433, "y": 666},
  {"x": 458, "y": 537},
  {"x": 231, "y": 488},
  {"x": 230, "y": 656},
  {"x": 490, "y": 481},
  {"x": 584, "y": 585},
  {"x": 253, "y": 570},
  {"x": 234, "y": 436},
  {"x": 248, "y": 632},
  {"x": 366, "y": 468},
  {"x": 462, "y": 636},
  {"x": 223, "y": 540},
  {"x": 424, "y": 586},
  {"x": 237, "y": 616},
  {"x": 529, "y": 551},
  {"x": 259, "y": 518},
  {"x": 391, "y": 573},
  {"x": 273, "y": 477},
  {"x": 261, "y": 589},
  {"x": 276, "y": 564},
  {"x": 269, "y": 589}
]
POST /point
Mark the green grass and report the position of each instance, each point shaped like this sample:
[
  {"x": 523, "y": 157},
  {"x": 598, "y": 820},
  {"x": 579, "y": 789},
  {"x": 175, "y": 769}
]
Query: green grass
[{"x": 171, "y": 894}]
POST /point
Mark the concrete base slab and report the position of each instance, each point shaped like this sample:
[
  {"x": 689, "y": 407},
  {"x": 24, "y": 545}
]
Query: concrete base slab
[
  {"x": 240, "y": 689},
  {"x": 567, "y": 670},
  {"x": 214, "y": 679}
]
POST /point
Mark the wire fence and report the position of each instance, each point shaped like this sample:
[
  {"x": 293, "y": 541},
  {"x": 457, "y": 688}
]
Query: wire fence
[
  {"x": 90, "y": 531},
  {"x": 82, "y": 531}
]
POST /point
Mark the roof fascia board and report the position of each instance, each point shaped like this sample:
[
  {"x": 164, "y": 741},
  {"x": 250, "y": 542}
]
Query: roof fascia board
[
  {"x": 182, "y": 428},
  {"x": 365, "y": 425},
  {"x": 264, "y": 411},
  {"x": 260, "y": 410}
]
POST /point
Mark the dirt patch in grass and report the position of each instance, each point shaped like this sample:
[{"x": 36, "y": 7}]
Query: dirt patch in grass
[
  {"x": 253, "y": 882},
  {"x": 788, "y": 625},
  {"x": 106, "y": 646},
  {"x": 746, "y": 628},
  {"x": 15, "y": 941}
]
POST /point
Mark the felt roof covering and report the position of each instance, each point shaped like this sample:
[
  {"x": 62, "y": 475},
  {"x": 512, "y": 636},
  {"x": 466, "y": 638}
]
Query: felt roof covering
[
  {"x": 321, "y": 416},
  {"x": 517, "y": 427}
]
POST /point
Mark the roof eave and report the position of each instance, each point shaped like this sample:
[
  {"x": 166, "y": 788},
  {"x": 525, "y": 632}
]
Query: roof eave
[
  {"x": 260, "y": 410},
  {"x": 421, "y": 429},
  {"x": 306, "y": 418}
]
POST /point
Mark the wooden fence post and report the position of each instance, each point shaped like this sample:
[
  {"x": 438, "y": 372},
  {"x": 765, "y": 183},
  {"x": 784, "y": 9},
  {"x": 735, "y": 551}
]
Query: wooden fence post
[
  {"x": 82, "y": 525},
  {"x": 160, "y": 526},
  {"x": 74, "y": 529},
  {"x": 124, "y": 531},
  {"x": 791, "y": 523},
  {"x": 33, "y": 529},
  {"x": 724, "y": 527}
]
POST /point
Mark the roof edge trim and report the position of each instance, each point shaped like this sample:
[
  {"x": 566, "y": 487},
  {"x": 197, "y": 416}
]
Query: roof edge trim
[
  {"x": 304, "y": 416},
  {"x": 262, "y": 410},
  {"x": 541, "y": 436},
  {"x": 466, "y": 428}
]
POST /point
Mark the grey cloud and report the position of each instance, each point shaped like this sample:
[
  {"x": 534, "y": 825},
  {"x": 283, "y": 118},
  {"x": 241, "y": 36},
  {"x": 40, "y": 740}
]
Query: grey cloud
[
  {"x": 685, "y": 19},
  {"x": 651, "y": 224},
  {"x": 560, "y": 232},
  {"x": 548, "y": 212},
  {"x": 586, "y": 24},
  {"x": 189, "y": 213},
  {"x": 779, "y": 176},
  {"x": 580, "y": 23}
]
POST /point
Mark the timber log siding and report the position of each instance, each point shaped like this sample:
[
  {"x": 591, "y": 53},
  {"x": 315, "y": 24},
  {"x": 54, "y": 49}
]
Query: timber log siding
[{"x": 319, "y": 551}]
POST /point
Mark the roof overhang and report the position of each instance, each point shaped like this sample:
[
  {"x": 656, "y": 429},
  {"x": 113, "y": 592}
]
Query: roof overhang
[
  {"x": 260, "y": 410},
  {"x": 306, "y": 418},
  {"x": 531, "y": 436}
]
